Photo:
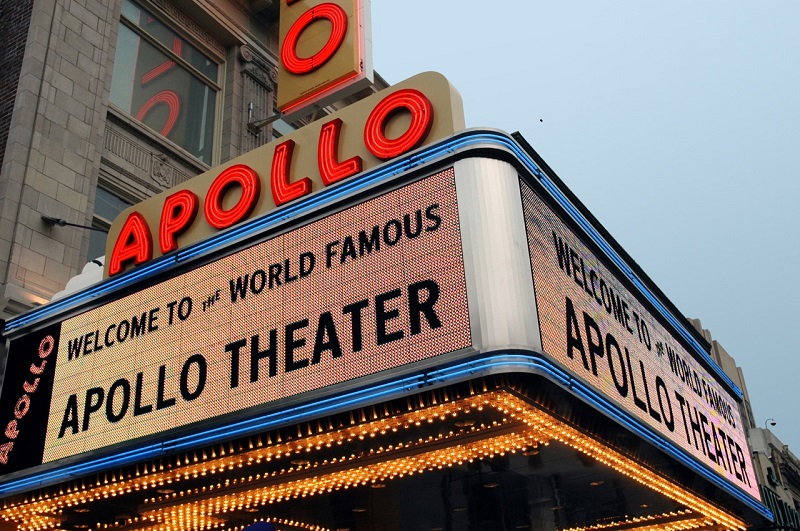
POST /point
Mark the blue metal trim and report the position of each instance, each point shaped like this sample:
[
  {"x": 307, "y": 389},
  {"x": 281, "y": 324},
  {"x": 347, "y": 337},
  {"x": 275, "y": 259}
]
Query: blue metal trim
[
  {"x": 597, "y": 400},
  {"x": 460, "y": 141},
  {"x": 498, "y": 362}
]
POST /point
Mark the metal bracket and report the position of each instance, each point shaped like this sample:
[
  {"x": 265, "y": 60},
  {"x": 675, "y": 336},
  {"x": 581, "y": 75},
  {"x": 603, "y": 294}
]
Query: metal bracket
[
  {"x": 50, "y": 220},
  {"x": 255, "y": 126}
]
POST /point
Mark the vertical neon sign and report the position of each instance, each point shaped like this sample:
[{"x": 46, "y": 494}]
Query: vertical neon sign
[{"x": 324, "y": 53}]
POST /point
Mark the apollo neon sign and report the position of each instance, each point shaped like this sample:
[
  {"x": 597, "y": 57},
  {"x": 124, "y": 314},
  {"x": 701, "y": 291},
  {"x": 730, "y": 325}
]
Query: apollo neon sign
[{"x": 384, "y": 126}]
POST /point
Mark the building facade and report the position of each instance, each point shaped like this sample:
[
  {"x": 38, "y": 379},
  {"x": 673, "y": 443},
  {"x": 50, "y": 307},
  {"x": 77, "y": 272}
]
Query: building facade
[
  {"x": 425, "y": 369},
  {"x": 778, "y": 469},
  {"x": 107, "y": 103}
]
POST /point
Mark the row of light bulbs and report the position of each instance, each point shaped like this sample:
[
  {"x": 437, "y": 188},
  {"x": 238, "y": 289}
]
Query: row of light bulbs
[
  {"x": 564, "y": 433},
  {"x": 173, "y": 511}
]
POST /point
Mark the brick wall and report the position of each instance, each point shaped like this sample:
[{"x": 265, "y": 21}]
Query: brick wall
[{"x": 15, "y": 17}]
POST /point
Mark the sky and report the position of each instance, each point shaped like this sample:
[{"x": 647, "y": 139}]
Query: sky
[{"x": 676, "y": 123}]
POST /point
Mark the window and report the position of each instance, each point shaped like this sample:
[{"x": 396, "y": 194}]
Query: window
[
  {"x": 165, "y": 82},
  {"x": 106, "y": 208}
]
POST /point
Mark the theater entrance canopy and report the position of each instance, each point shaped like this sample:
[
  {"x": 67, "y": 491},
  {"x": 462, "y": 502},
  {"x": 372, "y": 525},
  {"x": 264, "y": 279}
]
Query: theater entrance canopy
[{"x": 448, "y": 340}]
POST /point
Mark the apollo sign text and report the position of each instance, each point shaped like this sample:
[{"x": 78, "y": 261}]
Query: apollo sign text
[{"x": 384, "y": 126}]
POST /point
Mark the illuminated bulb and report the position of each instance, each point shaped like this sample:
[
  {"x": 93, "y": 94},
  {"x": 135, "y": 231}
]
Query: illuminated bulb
[{"x": 540, "y": 428}]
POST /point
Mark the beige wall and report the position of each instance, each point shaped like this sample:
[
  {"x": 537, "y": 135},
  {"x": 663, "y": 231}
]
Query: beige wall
[
  {"x": 52, "y": 156},
  {"x": 64, "y": 137}
]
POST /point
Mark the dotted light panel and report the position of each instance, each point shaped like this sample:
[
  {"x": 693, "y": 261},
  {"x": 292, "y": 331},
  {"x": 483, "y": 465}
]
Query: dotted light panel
[
  {"x": 374, "y": 287},
  {"x": 594, "y": 326}
]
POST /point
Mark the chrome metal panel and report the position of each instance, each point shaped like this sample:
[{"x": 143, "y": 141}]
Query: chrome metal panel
[{"x": 497, "y": 264}]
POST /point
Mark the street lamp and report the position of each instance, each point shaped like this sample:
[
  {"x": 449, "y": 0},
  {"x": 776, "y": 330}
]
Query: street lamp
[{"x": 771, "y": 422}]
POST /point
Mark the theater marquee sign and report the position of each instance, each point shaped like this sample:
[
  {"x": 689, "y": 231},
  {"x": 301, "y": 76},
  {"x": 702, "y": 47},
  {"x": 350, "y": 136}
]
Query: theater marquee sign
[
  {"x": 412, "y": 275},
  {"x": 376, "y": 286}
]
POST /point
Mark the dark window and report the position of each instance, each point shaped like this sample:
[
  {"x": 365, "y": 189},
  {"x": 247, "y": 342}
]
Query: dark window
[{"x": 164, "y": 82}]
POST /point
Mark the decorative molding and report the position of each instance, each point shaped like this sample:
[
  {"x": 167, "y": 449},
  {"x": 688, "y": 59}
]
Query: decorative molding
[
  {"x": 255, "y": 55},
  {"x": 162, "y": 171},
  {"x": 245, "y": 54},
  {"x": 157, "y": 166},
  {"x": 237, "y": 27},
  {"x": 259, "y": 75},
  {"x": 189, "y": 25},
  {"x": 129, "y": 151},
  {"x": 118, "y": 171}
]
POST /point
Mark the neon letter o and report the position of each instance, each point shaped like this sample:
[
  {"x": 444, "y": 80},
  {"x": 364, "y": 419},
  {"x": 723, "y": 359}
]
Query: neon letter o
[
  {"x": 248, "y": 180},
  {"x": 303, "y": 65},
  {"x": 46, "y": 346},
  {"x": 421, "y": 111}
]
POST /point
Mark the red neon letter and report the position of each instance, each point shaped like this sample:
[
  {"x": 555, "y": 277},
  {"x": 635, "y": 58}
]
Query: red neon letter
[
  {"x": 248, "y": 180},
  {"x": 298, "y": 65},
  {"x": 178, "y": 213},
  {"x": 282, "y": 191},
  {"x": 46, "y": 346},
  {"x": 329, "y": 169},
  {"x": 133, "y": 244},
  {"x": 172, "y": 101},
  {"x": 409, "y": 100}
]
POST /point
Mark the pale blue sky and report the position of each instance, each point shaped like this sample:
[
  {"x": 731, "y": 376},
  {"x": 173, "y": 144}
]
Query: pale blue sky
[{"x": 676, "y": 123}]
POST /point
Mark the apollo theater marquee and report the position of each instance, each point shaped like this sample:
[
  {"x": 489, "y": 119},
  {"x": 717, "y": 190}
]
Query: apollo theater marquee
[{"x": 380, "y": 321}]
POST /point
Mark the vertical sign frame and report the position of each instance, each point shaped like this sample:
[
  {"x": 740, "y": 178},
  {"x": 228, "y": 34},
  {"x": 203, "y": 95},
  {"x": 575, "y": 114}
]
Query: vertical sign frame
[{"x": 325, "y": 53}]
